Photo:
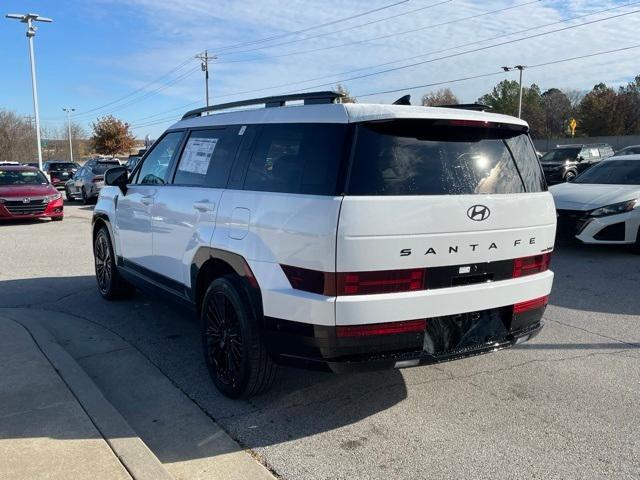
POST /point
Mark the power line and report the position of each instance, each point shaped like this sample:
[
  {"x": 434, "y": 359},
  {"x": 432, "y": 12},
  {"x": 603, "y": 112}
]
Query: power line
[
  {"x": 288, "y": 84},
  {"x": 499, "y": 72},
  {"x": 382, "y": 37},
  {"x": 353, "y": 27},
  {"x": 358, "y": 77},
  {"x": 445, "y": 82},
  {"x": 307, "y": 29}
]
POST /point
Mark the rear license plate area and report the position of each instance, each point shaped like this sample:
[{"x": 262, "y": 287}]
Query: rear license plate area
[{"x": 465, "y": 331}]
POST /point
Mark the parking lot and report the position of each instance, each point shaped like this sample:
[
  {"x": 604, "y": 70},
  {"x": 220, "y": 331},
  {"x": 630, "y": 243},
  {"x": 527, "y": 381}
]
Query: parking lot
[{"x": 563, "y": 406}]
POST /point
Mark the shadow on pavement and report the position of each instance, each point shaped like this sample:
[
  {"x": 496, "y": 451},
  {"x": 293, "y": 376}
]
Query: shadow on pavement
[{"x": 301, "y": 403}]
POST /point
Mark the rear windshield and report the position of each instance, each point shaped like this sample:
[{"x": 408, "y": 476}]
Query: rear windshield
[
  {"x": 409, "y": 157},
  {"x": 612, "y": 172},
  {"x": 100, "y": 168},
  {"x": 21, "y": 177}
]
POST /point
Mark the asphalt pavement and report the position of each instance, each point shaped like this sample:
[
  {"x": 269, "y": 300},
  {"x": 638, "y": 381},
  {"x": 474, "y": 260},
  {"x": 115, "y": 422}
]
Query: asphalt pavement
[{"x": 562, "y": 406}]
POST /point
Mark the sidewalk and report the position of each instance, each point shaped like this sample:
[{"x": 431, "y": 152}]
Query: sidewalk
[{"x": 44, "y": 432}]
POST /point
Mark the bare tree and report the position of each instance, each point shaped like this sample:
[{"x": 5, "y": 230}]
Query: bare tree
[
  {"x": 347, "y": 98},
  {"x": 574, "y": 96},
  {"x": 17, "y": 138},
  {"x": 444, "y": 96}
]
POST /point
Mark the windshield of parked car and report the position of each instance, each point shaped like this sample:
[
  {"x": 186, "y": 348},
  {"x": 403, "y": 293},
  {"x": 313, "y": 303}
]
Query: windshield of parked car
[
  {"x": 409, "y": 157},
  {"x": 560, "y": 155},
  {"x": 612, "y": 172},
  {"x": 628, "y": 151},
  {"x": 55, "y": 167},
  {"x": 21, "y": 177}
]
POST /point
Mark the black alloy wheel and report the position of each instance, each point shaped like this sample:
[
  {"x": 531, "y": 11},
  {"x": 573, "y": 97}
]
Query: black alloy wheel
[
  {"x": 235, "y": 355},
  {"x": 224, "y": 340},
  {"x": 110, "y": 284}
]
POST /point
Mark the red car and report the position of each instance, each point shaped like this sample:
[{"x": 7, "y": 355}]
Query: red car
[{"x": 26, "y": 193}]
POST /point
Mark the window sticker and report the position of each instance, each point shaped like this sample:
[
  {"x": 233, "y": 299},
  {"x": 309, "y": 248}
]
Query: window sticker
[{"x": 197, "y": 155}]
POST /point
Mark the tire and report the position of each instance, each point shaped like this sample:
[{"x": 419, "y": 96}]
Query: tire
[
  {"x": 110, "y": 284},
  {"x": 68, "y": 195},
  {"x": 57, "y": 219},
  {"x": 85, "y": 200},
  {"x": 570, "y": 175},
  {"x": 235, "y": 354}
]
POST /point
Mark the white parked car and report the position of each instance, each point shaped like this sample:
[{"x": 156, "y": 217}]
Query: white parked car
[
  {"x": 334, "y": 236},
  {"x": 602, "y": 205}
]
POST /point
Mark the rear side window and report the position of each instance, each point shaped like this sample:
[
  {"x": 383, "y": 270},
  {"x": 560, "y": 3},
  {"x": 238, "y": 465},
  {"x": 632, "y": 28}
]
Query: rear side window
[
  {"x": 425, "y": 157},
  {"x": 206, "y": 159},
  {"x": 297, "y": 158}
]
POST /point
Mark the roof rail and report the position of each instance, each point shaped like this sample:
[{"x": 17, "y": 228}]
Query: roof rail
[
  {"x": 468, "y": 106},
  {"x": 310, "y": 98}
]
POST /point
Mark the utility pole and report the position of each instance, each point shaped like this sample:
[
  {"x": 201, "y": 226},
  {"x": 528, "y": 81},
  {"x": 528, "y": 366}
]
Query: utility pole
[
  {"x": 204, "y": 59},
  {"x": 68, "y": 112},
  {"x": 521, "y": 68},
  {"x": 29, "y": 18}
]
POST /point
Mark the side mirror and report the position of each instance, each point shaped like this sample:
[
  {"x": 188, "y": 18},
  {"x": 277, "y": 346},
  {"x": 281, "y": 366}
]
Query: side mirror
[
  {"x": 117, "y": 177},
  {"x": 580, "y": 158}
]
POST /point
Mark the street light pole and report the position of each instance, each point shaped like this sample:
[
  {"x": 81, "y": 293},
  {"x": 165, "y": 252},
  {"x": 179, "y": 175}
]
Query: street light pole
[
  {"x": 29, "y": 18},
  {"x": 520, "y": 68},
  {"x": 204, "y": 58},
  {"x": 68, "y": 112}
]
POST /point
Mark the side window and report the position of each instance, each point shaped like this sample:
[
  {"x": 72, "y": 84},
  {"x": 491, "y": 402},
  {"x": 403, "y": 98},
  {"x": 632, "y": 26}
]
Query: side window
[
  {"x": 206, "y": 159},
  {"x": 298, "y": 158},
  {"x": 156, "y": 166}
]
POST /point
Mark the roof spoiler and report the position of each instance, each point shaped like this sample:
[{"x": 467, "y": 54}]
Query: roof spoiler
[{"x": 478, "y": 107}]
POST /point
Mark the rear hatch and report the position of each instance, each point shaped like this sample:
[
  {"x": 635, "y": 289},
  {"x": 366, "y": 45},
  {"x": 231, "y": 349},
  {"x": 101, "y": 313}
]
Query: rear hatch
[{"x": 458, "y": 194}]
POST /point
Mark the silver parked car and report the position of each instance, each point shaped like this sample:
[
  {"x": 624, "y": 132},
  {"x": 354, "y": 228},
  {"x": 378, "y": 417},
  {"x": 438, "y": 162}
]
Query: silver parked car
[{"x": 87, "y": 182}]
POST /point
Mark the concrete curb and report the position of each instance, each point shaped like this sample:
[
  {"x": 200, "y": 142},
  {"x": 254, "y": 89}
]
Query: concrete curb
[{"x": 136, "y": 457}]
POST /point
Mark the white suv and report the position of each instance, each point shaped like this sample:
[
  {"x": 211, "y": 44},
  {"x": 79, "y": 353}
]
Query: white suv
[{"x": 330, "y": 235}]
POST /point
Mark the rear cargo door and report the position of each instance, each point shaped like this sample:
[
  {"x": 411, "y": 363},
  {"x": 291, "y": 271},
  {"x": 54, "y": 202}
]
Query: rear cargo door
[{"x": 424, "y": 193}]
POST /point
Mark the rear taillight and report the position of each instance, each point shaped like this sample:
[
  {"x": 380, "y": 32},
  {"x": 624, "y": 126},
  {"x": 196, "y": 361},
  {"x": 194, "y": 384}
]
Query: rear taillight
[
  {"x": 392, "y": 328},
  {"x": 530, "y": 265},
  {"x": 530, "y": 305},
  {"x": 311, "y": 280},
  {"x": 386, "y": 281}
]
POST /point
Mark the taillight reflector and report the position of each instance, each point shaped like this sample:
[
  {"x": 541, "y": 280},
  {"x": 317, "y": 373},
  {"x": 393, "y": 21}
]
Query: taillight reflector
[
  {"x": 392, "y": 328},
  {"x": 530, "y": 305},
  {"x": 386, "y": 281},
  {"x": 530, "y": 265}
]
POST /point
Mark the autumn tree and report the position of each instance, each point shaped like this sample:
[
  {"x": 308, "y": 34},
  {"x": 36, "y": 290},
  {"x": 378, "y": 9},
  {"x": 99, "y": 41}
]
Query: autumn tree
[
  {"x": 444, "y": 96},
  {"x": 597, "y": 112},
  {"x": 111, "y": 136},
  {"x": 347, "y": 98},
  {"x": 557, "y": 112}
]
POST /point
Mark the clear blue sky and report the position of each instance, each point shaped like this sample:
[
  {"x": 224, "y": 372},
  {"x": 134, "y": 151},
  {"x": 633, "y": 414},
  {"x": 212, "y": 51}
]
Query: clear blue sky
[{"x": 98, "y": 51}]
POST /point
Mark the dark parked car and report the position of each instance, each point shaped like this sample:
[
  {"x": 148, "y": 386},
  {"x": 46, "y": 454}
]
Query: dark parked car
[
  {"x": 565, "y": 162},
  {"x": 630, "y": 150},
  {"x": 88, "y": 181},
  {"x": 59, "y": 172}
]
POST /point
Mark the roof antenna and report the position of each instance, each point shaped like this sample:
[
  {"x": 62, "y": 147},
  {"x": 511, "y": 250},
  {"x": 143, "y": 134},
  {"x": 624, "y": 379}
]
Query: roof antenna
[{"x": 406, "y": 100}]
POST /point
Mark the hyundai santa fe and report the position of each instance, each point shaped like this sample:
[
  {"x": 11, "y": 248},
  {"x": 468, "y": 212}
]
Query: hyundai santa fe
[{"x": 336, "y": 236}]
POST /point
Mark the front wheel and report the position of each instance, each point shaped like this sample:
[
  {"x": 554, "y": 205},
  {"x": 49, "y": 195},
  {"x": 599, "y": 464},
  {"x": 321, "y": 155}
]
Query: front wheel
[
  {"x": 234, "y": 351},
  {"x": 110, "y": 284},
  {"x": 569, "y": 176}
]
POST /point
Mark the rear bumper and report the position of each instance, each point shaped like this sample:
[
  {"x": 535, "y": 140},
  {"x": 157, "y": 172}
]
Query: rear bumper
[{"x": 445, "y": 338}]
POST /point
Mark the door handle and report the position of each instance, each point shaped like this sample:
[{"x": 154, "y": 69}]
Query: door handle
[
  {"x": 147, "y": 199},
  {"x": 204, "y": 206}
]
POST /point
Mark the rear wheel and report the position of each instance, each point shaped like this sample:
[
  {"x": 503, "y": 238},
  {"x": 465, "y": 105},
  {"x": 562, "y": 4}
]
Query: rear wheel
[
  {"x": 85, "y": 199},
  {"x": 110, "y": 284},
  {"x": 570, "y": 175},
  {"x": 68, "y": 194},
  {"x": 235, "y": 354}
]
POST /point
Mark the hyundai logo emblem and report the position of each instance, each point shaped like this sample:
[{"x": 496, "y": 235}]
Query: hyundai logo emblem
[
  {"x": 478, "y": 213},
  {"x": 26, "y": 200}
]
